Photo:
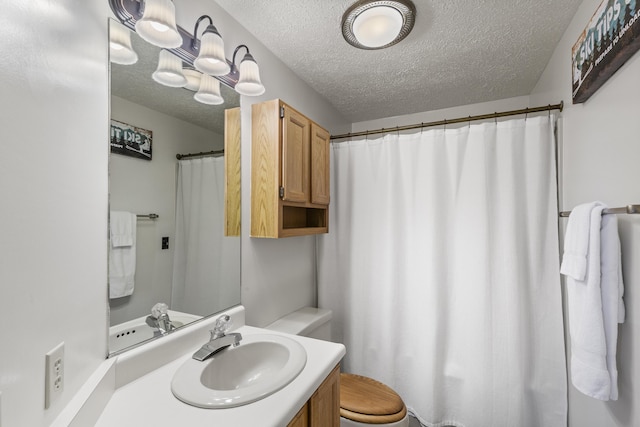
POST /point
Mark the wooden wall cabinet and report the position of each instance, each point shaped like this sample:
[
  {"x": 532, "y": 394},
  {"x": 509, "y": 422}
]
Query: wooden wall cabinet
[
  {"x": 289, "y": 172},
  {"x": 323, "y": 408}
]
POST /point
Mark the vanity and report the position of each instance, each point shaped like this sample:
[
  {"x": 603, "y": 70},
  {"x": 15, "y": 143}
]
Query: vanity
[{"x": 134, "y": 388}]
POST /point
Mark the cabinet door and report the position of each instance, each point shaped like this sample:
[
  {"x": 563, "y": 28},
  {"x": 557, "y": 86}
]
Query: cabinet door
[
  {"x": 302, "y": 417},
  {"x": 324, "y": 405},
  {"x": 320, "y": 140},
  {"x": 295, "y": 156}
]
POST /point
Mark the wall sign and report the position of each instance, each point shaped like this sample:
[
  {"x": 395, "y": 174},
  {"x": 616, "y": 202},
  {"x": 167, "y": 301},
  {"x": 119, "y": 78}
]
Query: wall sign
[
  {"x": 130, "y": 140},
  {"x": 609, "y": 40}
]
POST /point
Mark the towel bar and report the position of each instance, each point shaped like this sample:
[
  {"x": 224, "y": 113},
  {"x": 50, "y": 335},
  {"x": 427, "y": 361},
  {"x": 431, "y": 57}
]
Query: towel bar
[
  {"x": 150, "y": 216},
  {"x": 629, "y": 209}
]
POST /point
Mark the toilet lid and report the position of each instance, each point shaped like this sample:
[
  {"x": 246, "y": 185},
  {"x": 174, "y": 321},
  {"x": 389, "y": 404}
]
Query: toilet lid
[{"x": 364, "y": 399}]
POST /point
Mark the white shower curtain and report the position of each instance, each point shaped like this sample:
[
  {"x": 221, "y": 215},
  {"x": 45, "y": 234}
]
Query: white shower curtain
[
  {"x": 441, "y": 268},
  {"x": 205, "y": 262}
]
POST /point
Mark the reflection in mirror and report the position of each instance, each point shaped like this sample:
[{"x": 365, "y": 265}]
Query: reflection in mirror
[{"x": 182, "y": 265}]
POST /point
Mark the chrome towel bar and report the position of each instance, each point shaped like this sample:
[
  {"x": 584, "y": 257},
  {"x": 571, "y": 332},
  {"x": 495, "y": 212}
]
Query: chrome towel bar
[{"x": 629, "y": 209}]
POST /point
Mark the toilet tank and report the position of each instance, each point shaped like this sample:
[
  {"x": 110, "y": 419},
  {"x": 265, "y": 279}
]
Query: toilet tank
[{"x": 308, "y": 321}]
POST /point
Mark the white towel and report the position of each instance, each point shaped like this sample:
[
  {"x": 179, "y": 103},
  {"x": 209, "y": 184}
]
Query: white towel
[
  {"x": 122, "y": 254},
  {"x": 591, "y": 262},
  {"x": 612, "y": 290},
  {"x": 576, "y": 241},
  {"x": 121, "y": 228}
]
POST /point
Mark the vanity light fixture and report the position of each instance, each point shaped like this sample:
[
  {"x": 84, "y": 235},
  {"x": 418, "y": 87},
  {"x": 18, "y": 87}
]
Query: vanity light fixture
[
  {"x": 120, "y": 49},
  {"x": 193, "y": 78},
  {"x": 154, "y": 21},
  {"x": 169, "y": 71},
  {"x": 249, "y": 81},
  {"x": 211, "y": 59},
  {"x": 371, "y": 24},
  {"x": 158, "y": 24},
  {"x": 209, "y": 92}
]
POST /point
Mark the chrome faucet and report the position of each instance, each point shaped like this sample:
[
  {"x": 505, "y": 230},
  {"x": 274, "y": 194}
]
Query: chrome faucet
[
  {"x": 219, "y": 339},
  {"x": 159, "y": 318}
]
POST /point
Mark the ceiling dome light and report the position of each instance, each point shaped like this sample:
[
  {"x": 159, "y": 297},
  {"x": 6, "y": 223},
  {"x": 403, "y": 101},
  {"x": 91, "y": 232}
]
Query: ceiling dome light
[
  {"x": 378, "y": 24},
  {"x": 169, "y": 71},
  {"x": 120, "y": 49},
  {"x": 158, "y": 24},
  {"x": 209, "y": 92},
  {"x": 193, "y": 79}
]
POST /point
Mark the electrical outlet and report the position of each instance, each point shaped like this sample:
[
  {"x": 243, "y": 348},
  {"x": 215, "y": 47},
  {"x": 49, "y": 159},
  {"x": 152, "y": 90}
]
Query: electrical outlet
[{"x": 54, "y": 375}]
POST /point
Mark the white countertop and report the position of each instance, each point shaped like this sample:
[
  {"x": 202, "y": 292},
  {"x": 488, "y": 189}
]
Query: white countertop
[{"x": 148, "y": 400}]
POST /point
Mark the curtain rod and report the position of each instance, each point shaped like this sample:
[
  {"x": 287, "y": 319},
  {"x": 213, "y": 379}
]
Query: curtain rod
[
  {"x": 445, "y": 122},
  {"x": 629, "y": 209},
  {"x": 202, "y": 153}
]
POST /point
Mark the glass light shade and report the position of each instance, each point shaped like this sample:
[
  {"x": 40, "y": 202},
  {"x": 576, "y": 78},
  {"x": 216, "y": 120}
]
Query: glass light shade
[
  {"x": 211, "y": 59},
  {"x": 249, "y": 82},
  {"x": 209, "y": 92},
  {"x": 193, "y": 79},
  {"x": 158, "y": 24},
  {"x": 377, "y": 26},
  {"x": 120, "y": 49},
  {"x": 169, "y": 71}
]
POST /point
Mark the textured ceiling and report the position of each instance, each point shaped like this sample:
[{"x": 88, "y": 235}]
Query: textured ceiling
[
  {"x": 459, "y": 52},
  {"x": 134, "y": 83}
]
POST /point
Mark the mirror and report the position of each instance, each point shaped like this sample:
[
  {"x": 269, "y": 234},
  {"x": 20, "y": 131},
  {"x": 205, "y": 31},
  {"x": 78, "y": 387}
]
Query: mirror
[{"x": 182, "y": 257}]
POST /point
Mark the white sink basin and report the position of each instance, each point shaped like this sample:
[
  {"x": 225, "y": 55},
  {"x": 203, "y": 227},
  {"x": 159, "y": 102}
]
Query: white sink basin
[{"x": 261, "y": 365}]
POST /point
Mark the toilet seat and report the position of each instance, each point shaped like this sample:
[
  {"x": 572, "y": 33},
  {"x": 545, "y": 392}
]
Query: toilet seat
[{"x": 368, "y": 401}]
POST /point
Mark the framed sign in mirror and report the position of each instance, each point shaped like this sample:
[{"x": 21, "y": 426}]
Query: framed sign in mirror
[{"x": 131, "y": 141}]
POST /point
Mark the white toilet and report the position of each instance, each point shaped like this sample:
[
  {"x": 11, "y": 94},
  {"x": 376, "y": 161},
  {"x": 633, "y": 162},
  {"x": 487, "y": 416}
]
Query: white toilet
[{"x": 363, "y": 401}]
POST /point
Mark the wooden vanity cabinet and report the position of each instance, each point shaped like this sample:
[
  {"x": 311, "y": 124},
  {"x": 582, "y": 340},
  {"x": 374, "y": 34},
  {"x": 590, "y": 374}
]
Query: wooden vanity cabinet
[
  {"x": 323, "y": 408},
  {"x": 302, "y": 418},
  {"x": 289, "y": 172}
]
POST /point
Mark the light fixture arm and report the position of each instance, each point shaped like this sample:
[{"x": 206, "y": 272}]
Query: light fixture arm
[
  {"x": 194, "y": 42},
  {"x": 233, "y": 59}
]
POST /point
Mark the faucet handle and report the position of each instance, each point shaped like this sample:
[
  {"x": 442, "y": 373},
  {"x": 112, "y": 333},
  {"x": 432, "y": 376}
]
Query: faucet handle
[
  {"x": 159, "y": 309},
  {"x": 223, "y": 324}
]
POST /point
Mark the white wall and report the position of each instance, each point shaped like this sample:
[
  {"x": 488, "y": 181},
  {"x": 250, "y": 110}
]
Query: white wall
[
  {"x": 53, "y": 185},
  {"x": 447, "y": 113},
  {"x": 142, "y": 187},
  {"x": 600, "y": 152}
]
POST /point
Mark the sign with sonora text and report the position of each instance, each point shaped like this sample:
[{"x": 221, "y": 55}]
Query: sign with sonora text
[
  {"x": 130, "y": 140},
  {"x": 608, "y": 41}
]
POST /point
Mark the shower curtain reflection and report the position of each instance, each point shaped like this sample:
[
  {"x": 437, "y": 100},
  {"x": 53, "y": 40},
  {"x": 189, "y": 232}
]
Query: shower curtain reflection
[
  {"x": 441, "y": 269},
  {"x": 204, "y": 259}
]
